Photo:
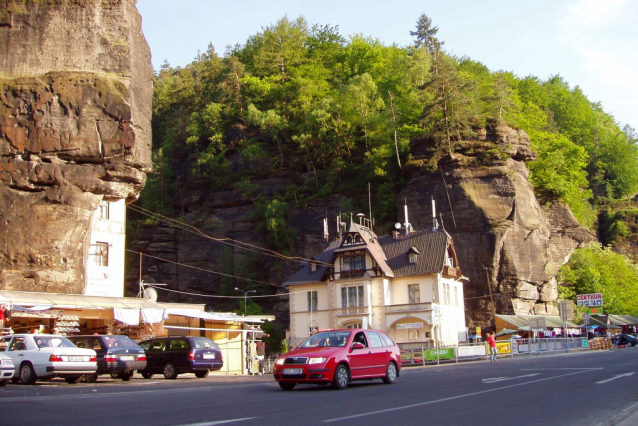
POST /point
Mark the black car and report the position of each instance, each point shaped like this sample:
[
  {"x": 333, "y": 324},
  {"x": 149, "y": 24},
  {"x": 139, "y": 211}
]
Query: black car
[
  {"x": 117, "y": 355},
  {"x": 175, "y": 355}
]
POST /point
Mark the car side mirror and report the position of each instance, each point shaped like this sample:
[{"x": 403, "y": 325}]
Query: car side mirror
[{"x": 358, "y": 345}]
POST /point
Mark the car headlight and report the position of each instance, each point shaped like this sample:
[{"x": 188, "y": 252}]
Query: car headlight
[
  {"x": 316, "y": 360},
  {"x": 280, "y": 361}
]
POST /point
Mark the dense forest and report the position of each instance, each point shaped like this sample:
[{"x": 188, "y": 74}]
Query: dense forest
[{"x": 344, "y": 111}]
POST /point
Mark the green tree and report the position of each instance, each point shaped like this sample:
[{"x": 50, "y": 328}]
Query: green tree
[{"x": 598, "y": 269}]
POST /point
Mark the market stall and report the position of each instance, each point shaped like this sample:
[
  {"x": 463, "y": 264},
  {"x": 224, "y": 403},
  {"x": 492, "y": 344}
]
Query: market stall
[{"x": 69, "y": 314}]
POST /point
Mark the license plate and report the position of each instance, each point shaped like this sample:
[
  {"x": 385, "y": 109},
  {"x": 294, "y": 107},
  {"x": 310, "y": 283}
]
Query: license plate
[
  {"x": 76, "y": 358},
  {"x": 209, "y": 356},
  {"x": 127, "y": 358},
  {"x": 293, "y": 371}
]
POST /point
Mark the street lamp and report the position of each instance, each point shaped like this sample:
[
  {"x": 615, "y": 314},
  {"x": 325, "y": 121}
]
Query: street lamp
[{"x": 245, "y": 293}]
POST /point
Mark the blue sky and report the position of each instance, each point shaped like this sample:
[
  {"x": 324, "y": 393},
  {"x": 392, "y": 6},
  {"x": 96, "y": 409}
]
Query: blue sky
[{"x": 591, "y": 43}]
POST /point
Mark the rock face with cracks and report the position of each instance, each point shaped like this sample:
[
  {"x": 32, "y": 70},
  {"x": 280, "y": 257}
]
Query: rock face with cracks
[
  {"x": 509, "y": 246},
  {"x": 75, "y": 128}
]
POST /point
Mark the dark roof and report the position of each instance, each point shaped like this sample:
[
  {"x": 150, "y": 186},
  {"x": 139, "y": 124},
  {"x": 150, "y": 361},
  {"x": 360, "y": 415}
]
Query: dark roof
[
  {"x": 305, "y": 275},
  {"x": 391, "y": 253},
  {"x": 431, "y": 245}
]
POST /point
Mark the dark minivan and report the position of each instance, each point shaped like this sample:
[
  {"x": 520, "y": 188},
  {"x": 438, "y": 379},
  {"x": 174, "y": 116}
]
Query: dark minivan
[
  {"x": 117, "y": 355},
  {"x": 175, "y": 355}
]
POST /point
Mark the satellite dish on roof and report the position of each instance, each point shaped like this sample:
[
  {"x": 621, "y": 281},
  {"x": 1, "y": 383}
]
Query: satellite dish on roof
[
  {"x": 151, "y": 294},
  {"x": 397, "y": 225}
]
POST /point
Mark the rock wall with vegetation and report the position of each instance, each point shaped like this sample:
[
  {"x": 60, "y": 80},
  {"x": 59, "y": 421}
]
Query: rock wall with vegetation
[
  {"x": 75, "y": 111},
  {"x": 252, "y": 149}
]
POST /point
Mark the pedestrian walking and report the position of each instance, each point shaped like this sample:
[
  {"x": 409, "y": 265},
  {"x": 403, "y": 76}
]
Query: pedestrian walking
[{"x": 492, "y": 343}]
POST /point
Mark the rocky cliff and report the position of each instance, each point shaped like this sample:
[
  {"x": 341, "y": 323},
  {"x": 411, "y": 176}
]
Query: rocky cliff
[
  {"x": 509, "y": 246},
  {"x": 75, "y": 111}
]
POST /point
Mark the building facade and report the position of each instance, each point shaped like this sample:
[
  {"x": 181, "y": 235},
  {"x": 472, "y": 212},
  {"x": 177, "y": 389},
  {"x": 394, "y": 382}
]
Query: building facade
[
  {"x": 105, "y": 260},
  {"x": 406, "y": 284}
]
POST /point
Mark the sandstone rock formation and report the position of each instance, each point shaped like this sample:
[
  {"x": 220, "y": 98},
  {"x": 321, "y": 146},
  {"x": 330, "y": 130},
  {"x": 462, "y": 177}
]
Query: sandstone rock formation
[
  {"x": 509, "y": 246},
  {"x": 75, "y": 111}
]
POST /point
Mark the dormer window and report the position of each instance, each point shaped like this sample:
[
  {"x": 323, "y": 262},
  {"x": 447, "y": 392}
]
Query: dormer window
[
  {"x": 413, "y": 255},
  {"x": 313, "y": 266}
]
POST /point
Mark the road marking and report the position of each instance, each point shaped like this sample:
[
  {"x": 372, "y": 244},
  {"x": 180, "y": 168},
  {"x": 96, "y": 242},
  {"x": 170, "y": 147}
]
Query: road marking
[
  {"x": 219, "y": 422},
  {"x": 467, "y": 395},
  {"x": 615, "y": 377},
  {"x": 502, "y": 379}
]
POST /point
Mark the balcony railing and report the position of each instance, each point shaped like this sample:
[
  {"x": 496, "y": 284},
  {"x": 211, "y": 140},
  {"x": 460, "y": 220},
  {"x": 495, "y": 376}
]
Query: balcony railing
[
  {"x": 353, "y": 310},
  {"x": 410, "y": 307}
]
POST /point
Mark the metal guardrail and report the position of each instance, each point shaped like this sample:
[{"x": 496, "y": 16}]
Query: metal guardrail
[{"x": 506, "y": 348}]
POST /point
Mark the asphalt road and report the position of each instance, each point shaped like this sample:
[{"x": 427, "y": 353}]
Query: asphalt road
[{"x": 578, "y": 389}]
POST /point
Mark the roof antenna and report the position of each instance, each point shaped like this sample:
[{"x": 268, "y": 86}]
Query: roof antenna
[
  {"x": 435, "y": 224},
  {"x": 326, "y": 235},
  {"x": 408, "y": 226}
]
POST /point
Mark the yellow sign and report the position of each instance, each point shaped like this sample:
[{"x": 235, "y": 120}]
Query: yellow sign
[
  {"x": 501, "y": 348},
  {"x": 478, "y": 330}
]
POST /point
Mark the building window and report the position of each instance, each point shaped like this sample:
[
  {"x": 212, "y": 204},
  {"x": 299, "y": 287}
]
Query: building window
[
  {"x": 312, "y": 300},
  {"x": 104, "y": 210},
  {"x": 412, "y": 258},
  {"x": 101, "y": 254},
  {"x": 352, "y": 297},
  {"x": 313, "y": 266},
  {"x": 446, "y": 289},
  {"x": 354, "y": 262},
  {"x": 354, "y": 325},
  {"x": 434, "y": 289},
  {"x": 359, "y": 262},
  {"x": 413, "y": 293},
  {"x": 456, "y": 296}
]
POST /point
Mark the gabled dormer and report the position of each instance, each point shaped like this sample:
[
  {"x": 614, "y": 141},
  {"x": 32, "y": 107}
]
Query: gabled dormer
[{"x": 413, "y": 255}]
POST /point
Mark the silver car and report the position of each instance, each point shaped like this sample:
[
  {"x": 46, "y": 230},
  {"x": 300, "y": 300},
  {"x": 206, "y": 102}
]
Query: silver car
[{"x": 44, "y": 356}]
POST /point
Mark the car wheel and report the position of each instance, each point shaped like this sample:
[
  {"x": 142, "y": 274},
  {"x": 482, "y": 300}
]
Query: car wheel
[
  {"x": 287, "y": 386},
  {"x": 147, "y": 375},
  {"x": 340, "y": 380},
  {"x": 390, "y": 373},
  {"x": 4, "y": 382},
  {"x": 73, "y": 380},
  {"x": 27, "y": 375},
  {"x": 90, "y": 378},
  {"x": 115, "y": 375},
  {"x": 202, "y": 374},
  {"x": 170, "y": 372},
  {"x": 127, "y": 376}
]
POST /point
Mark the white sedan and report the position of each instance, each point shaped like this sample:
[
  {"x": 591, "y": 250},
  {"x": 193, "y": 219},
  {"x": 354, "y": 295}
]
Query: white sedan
[
  {"x": 7, "y": 369},
  {"x": 44, "y": 356}
]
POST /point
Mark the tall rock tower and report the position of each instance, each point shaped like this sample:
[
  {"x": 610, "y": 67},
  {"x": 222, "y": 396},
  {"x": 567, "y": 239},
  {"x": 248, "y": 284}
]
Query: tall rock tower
[{"x": 75, "y": 128}]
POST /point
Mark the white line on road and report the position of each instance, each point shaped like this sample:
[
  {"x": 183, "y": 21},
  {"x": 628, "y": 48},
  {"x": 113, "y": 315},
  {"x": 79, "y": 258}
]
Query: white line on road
[
  {"x": 502, "y": 379},
  {"x": 421, "y": 404},
  {"x": 615, "y": 377},
  {"x": 220, "y": 422}
]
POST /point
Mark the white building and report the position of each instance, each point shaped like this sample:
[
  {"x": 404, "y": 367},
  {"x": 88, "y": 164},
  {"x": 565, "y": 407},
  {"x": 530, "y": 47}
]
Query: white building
[
  {"x": 105, "y": 260},
  {"x": 406, "y": 284}
]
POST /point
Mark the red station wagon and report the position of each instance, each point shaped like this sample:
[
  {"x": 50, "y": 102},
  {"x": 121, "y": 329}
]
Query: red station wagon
[{"x": 338, "y": 357}]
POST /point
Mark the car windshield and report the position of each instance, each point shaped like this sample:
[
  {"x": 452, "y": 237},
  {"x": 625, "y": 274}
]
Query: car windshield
[
  {"x": 53, "y": 342},
  {"x": 327, "y": 338},
  {"x": 204, "y": 342},
  {"x": 119, "y": 342}
]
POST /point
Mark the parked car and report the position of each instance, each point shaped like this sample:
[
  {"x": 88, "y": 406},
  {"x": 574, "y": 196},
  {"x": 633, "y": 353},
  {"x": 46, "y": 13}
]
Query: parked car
[
  {"x": 7, "y": 368},
  {"x": 339, "y": 357},
  {"x": 626, "y": 340},
  {"x": 44, "y": 356},
  {"x": 175, "y": 355},
  {"x": 117, "y": 355}
]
